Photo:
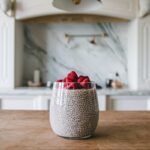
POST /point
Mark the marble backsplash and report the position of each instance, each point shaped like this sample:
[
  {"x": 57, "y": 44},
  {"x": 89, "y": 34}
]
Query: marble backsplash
[{"x": 46, "y": 48}]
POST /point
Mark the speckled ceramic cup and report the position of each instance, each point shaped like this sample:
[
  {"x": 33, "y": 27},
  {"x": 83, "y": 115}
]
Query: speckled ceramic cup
[{"x": 74, "y": 113}]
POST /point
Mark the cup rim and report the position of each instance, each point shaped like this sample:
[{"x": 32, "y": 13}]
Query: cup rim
[{"x": 93, "y": 82}]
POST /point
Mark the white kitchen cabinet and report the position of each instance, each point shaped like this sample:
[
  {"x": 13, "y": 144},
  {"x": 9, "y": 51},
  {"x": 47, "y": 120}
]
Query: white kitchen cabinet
[
  {"x": 42, "y": 102},
  {"x": 23, "y": 103},
  {"x": 126, "y": 9},
  {"x": 102, "y": 102},
  {"x": 128, "y": 103},
  {"x": 139, "y": 53},
  {"x": 20, "y": 102},
  {"x": 144, "y": 53},
  {"x": 7, "y": 34},
  {"x": 11, "y": 46}
]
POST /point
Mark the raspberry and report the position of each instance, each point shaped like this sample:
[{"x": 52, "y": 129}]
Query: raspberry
[
  {"x": 59, "y": 80},
  {"x": 72, "y": 81},
  {"x": 85, "y": 83},
  {"x": 80, "y": 79},
  {"x": 72, "y": 76}
]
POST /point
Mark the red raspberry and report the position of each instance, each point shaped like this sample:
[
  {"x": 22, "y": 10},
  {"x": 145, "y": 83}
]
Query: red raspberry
[
  {"x": 80, "y": 79},
  {"x": 73, "y": 82},
  {"x": 72, "y": 76},
  {"x": 85, "y": 83},
  {"x": 59, "y": 81},
  {"x": 68, "y": 80}
]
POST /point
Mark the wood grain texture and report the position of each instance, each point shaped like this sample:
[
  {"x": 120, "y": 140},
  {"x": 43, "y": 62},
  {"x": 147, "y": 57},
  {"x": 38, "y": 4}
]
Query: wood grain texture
[
  {"x": 30, "y": 130},
  {"x": 73, "y": 18}
]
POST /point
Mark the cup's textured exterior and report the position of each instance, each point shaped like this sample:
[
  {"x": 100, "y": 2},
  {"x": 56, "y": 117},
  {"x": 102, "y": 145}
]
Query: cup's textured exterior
[{"x": 74, "y": 113}]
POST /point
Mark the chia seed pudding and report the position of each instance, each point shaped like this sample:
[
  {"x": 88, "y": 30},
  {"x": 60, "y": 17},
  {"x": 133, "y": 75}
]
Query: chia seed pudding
[{"x": 74, "y": 113}]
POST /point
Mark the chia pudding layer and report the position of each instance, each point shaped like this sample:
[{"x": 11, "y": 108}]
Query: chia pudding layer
[{"x": 74, "y": 113}]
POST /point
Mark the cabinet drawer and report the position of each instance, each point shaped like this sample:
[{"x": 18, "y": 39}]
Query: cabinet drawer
[
  {"x": 8, "y": 104},
  {"x": 24, "y": 103},
  {"x": 127, "y": 103}
]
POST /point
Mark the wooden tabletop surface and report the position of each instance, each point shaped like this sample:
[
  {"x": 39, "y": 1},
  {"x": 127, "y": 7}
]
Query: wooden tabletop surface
[{"x": 30, "y": 130}]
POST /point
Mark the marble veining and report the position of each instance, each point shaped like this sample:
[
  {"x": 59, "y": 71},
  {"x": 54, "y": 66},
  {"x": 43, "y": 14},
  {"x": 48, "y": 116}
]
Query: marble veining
[{"x": 46, "y": 48}]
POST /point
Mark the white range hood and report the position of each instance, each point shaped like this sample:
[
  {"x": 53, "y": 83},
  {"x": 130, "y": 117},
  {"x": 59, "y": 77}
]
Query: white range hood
[
  {"x": 78, "y": 5},
  {"x": 124, "y": 9}
]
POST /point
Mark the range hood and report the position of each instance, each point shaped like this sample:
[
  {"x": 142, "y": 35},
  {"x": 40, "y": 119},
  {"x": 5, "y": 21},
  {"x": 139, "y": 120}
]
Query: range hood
[
  {"x": 122, "y": 9},
  {"x": 77, "y": 5}
]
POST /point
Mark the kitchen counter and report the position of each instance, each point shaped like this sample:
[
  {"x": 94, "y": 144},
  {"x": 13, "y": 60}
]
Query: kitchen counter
[
  {"x": 47, "y": 91},
  {"x": 124, "y": 92},
  {"x": 26, "y": 91},
  {"x": 30, "y": 130}
]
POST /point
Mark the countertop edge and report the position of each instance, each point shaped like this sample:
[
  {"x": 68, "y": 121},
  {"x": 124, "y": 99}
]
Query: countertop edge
[{"x": 48, "y": 92}]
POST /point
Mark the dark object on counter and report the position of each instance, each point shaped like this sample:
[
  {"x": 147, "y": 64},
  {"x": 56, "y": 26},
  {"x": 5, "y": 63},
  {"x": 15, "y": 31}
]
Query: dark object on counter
[
  {"x": 109, "y": 83},
  {"x": 98, "y": 86},
  {"x": 49, "y": 84},
  {"x": 117, "y": 74}
]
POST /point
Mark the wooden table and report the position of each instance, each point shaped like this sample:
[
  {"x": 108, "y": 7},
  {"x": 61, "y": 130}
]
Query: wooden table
[{"x": 30, "y": 130}]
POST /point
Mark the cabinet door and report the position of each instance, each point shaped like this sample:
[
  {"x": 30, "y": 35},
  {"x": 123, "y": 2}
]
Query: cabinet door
[
  {"x": 18, "y": 103},
  {"x": 7, "y": 44},
  {"x": 144, "y": 53},
  {"x": 102, "y": 102},
  {"x": 24, "y": 103},
  {"x": 127, "y": 103}
]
